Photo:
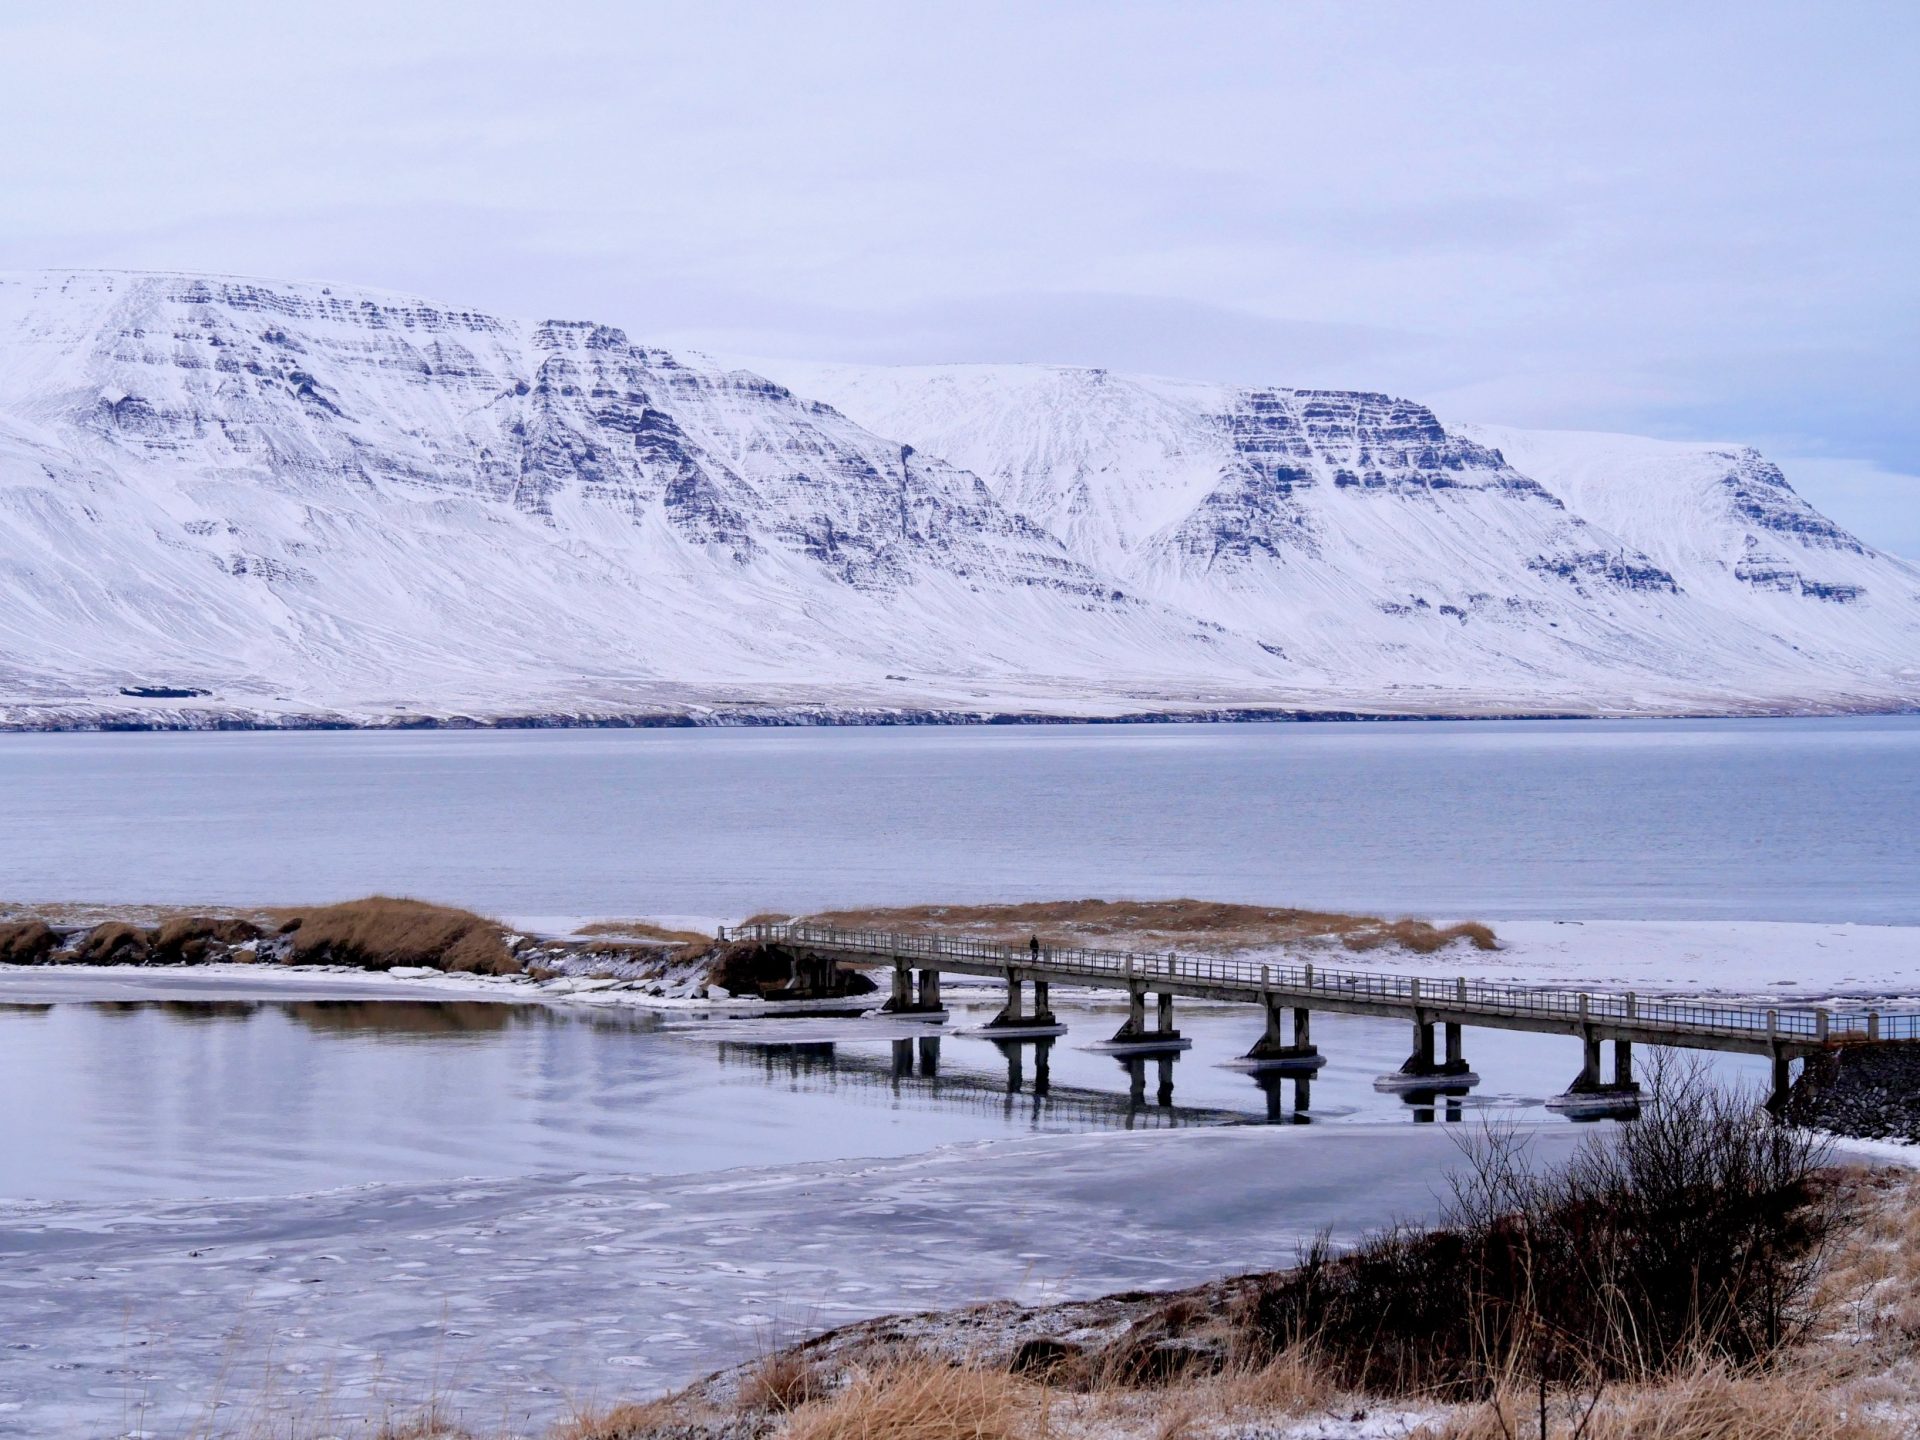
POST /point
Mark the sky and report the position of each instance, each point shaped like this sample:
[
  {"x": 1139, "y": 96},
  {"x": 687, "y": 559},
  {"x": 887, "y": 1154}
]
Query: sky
[{"x": 1698, "y": 221}]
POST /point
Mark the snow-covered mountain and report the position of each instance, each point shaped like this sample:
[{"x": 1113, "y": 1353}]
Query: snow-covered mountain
[
  {"x": 1423, "y": 565},
  {"x": 306, "y": 501}
]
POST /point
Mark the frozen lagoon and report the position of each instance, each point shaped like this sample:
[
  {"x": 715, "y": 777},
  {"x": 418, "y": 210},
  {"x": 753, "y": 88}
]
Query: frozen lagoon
[{"x": 524, "y": 1207}]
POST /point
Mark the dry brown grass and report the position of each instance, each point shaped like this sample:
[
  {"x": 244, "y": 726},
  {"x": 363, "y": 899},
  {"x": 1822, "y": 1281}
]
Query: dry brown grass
[
  {"x": 26, "y": 942},
  {"x": 1291, "y": 1384},
  {"x": 383, "y": 931},
  {"x": 1191, "y": 924},
  {"x": 115, "y": 943},
  {"x": 781, "y": 1381},
  {"x": 626, "y": 1422},
  {"x": 1706, "y": 1405},
  {"x": 920, "y": 1400}
]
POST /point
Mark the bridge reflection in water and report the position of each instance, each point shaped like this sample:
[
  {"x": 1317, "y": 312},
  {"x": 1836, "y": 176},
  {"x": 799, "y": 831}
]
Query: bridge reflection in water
[{"x": 911, "y": 1071}]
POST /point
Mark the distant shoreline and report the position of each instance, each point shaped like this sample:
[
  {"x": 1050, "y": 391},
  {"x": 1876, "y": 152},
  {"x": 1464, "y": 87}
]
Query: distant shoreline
[{"x": 215, "y": 721}]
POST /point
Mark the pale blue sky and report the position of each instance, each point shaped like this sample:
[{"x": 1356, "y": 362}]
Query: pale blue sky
[{"x": 1691, "y": 220}]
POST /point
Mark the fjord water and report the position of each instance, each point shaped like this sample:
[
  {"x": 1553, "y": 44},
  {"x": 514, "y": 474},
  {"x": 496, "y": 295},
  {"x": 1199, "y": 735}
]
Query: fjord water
[{"x": 1751, "y": 819}]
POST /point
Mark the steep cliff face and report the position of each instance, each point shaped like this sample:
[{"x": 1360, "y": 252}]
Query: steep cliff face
[{"x": 298, "y": 499}]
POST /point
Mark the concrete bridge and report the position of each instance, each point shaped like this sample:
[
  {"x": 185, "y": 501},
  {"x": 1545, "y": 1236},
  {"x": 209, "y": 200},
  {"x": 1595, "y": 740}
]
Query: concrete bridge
[{"x": 918, "y": 961}]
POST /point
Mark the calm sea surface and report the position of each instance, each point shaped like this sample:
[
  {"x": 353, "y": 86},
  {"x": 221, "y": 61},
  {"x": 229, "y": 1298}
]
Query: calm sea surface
[{"x": 1758, "y": 819}]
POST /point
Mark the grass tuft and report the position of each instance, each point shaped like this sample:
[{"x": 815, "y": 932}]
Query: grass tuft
[{"x": 918, "y": 1400}]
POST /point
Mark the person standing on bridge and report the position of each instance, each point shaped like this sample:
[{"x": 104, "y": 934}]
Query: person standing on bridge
[{"x": 1033, "y": 946}]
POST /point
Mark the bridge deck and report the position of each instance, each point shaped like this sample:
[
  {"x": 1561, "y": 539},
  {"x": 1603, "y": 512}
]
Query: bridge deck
[{"x": 1700, "y": 1024}]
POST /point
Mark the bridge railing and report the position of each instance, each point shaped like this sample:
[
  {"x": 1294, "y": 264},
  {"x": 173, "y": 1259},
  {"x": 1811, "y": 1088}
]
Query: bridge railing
[{"x": 1802, "y": 1023}]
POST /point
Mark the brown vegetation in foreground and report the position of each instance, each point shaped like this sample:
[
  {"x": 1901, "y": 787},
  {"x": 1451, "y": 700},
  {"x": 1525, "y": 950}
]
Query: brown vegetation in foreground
[
  {"x": 383, "y": 931},
  {"x": 1160, "y": 924},
  {"x": 1784, "y": 1303},
  {"x": 1700, "y": 1276}
]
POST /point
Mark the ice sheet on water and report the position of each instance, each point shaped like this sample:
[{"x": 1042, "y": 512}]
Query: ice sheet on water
[{"x": 518, "y": 1295}]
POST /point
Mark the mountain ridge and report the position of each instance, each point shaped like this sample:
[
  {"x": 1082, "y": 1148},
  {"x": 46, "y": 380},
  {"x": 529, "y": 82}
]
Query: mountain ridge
[{"x": 323, "y": 504}]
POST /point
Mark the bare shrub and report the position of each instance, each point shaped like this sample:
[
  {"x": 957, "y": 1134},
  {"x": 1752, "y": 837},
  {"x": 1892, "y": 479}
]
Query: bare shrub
[
  {"x": 382, "y": 931},
  {"x": 1691, "y": 1237},
  {"x": 27, "y": 942}
]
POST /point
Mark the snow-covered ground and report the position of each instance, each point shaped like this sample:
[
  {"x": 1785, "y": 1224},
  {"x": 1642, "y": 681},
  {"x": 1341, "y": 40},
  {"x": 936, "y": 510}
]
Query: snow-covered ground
[{"x": 1789, "y": 962}]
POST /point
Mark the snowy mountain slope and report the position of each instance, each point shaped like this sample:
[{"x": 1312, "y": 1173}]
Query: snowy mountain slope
[
  {"x": 302, "y": 498},
  {"x": 1382, "y": 544},
  {"x": 307, "y": 501}
]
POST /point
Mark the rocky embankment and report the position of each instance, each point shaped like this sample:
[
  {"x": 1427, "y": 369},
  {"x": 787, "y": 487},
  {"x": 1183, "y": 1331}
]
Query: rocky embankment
[{"x": 1871, "y": 1092}]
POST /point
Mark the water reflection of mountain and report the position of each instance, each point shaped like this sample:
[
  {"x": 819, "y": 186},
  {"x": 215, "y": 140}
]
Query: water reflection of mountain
[{"x": 912, "y": 1072}]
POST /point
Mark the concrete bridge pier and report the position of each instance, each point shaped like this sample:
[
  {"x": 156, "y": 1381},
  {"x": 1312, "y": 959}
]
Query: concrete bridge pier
[
  {"x": 1590, "y": 1094},
  {"x": 1782, "y": 1079},
  {"x": 1134, "y": 1037},
  {"x": 1014, "y": 1020},
  {"x": 1422, "y": 1070},
  {"x": 1272, "y": 1052},
  {"x": 914, "y": 995}
]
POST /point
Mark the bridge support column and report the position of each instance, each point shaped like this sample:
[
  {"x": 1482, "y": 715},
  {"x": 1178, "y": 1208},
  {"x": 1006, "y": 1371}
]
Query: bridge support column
[
  {"x": 1014, "y": 1012},
  {"x": 1423, "y": 1070},
  {"x": 1013, "y": 1017},
  {"x": 1272, "y": 1052},
  {"x": 1135, "y": 1036},
  {"x": 1782, "y": 1079},
  {"x": 913, "y": 995},
  {"x": 1589, "y": 1095},
  {"x": 1589, "y": 1060}
]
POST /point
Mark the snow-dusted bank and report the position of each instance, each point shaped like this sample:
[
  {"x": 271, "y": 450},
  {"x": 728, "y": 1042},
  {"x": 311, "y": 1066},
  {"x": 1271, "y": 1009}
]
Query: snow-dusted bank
[{"x": 1789, "y": 963}]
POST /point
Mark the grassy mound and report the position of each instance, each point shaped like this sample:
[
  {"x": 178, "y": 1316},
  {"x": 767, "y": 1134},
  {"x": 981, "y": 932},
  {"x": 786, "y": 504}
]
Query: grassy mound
[
  {"x": 26, "y": 942},
  {"x": 384, "y": 931}
]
